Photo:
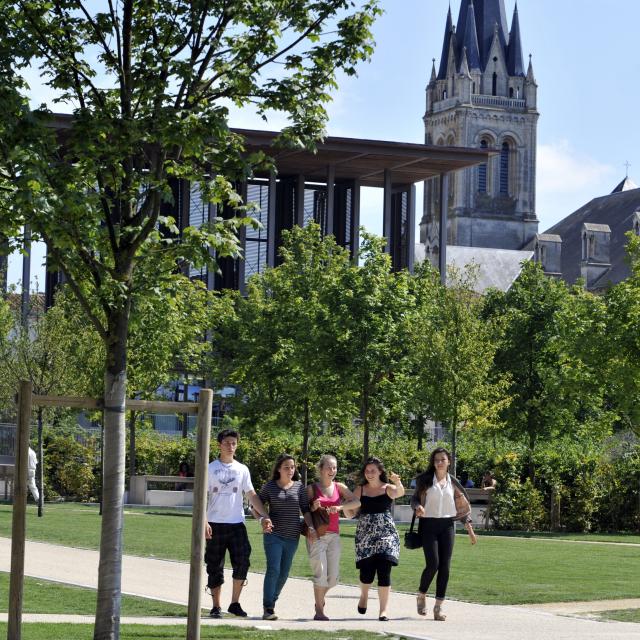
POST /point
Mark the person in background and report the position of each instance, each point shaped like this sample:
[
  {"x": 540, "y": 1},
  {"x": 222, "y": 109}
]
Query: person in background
[
  {"x": 466, "y": 481},
  {"x": 184, "y": 472},
  {"x": 434, "y": 504},
  {"x": 324, "y": 551},
  {"x": 287, "y": 498},
  {"x": 488, "y": 482},
  {"x": 228, "y": 480},
  {"x": 377, "y": 540},
  {"x": 32, "y": 465}
]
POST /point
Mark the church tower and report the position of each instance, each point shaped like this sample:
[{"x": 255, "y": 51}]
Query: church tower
[{"x": 481, "y": 97}]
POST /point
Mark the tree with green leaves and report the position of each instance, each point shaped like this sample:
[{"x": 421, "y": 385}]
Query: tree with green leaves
[
  {"x": 622, "y": 331},
  {"x": 452, "y": 353},
  {"x": 41, "y": 351},
  {"x": 286, "y": 360},
  {"x": 371, "y": 305},
  {"x": 529, "y": 355},
  {"x": 149, "y": 85}
]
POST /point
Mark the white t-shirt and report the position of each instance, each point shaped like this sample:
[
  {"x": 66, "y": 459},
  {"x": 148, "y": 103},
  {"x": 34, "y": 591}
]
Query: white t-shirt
[
  {"x": 33, "y": 460},
  {"x": 227, "y": 483}
]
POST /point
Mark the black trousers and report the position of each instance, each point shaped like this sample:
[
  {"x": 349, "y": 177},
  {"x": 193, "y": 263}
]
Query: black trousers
[{"x": 438, "y": 536}]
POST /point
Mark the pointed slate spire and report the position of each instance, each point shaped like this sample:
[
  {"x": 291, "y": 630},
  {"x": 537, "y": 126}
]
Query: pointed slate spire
[
  {"x": 461, "y": 25},
  {"x": 470, "y": 39},
  {"x": 626, "y": 185},
  {"x": 444, "y": 58},
  {"x": 515, "y": 66},
  {"x": 488, "y": 13},
  {"x": 433, "y": 71},
  {"x": 530, "y": 76},
  {"x": 464, "y": 65}
]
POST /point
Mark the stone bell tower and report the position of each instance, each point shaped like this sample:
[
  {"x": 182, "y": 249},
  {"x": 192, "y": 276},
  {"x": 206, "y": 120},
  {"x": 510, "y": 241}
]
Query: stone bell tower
[{"x": 481, "y": 97}]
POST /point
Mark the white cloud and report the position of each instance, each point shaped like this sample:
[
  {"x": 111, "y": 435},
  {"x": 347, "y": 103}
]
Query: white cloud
[
  {"x": 566, "y": 170},
  {"x": 567, "y": 179}
]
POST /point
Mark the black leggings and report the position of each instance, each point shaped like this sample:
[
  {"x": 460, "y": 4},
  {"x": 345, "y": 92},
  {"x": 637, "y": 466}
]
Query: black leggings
[
  {"x": 438, "y": 536},
  {"x": 368, "y": 568}
]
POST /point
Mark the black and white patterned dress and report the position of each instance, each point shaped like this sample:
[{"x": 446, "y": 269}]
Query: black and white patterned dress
[{"x": 376, "y": 533}]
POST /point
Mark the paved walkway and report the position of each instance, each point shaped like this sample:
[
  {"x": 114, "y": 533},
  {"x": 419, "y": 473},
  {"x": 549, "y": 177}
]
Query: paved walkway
[{"x": 165, "y": 580}]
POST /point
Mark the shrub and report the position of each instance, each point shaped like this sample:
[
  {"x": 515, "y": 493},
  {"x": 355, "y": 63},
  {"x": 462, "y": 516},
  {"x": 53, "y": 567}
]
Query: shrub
[
  {"x": 71, "y": 468},
  {"x": 518, "y": 506}
]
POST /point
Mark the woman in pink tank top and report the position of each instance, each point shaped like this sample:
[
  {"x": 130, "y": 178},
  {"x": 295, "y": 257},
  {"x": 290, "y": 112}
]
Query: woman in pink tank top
[{"x": 324, "y": 550}]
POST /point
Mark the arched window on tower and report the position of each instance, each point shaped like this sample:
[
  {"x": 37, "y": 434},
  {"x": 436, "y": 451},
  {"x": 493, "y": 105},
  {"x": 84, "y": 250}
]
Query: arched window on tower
[
  {"x": 482, "y": 171},
  {"x": 504, "y": 169},
  {"x": 494, "y": 84},
  {"x": 511, "y": 92}
]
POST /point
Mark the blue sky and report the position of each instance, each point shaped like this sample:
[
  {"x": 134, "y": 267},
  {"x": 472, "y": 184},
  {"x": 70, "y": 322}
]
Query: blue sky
[{"x": 587, "y": 69}]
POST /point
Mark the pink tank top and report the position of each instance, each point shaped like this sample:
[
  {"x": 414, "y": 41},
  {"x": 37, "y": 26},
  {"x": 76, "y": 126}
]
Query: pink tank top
[{"x": 334, "y": 518}]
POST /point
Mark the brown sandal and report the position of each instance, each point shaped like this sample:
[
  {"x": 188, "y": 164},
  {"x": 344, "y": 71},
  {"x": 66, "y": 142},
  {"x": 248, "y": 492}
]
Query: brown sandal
[
  {"x": 421, "y": 601},
  {"x": 437, "y": 613}
]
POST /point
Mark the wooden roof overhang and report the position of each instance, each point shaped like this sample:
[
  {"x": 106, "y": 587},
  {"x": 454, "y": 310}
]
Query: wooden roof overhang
[
  {"x": 353, "y": 158},
  {"x": 364, "y": 160}
]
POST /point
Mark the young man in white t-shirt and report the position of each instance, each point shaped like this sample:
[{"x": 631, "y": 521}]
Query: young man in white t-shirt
[{"x": 228, "y": 480}]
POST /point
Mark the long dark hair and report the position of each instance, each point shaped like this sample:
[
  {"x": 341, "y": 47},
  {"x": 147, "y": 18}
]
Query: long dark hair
[
  {"x": 362, "y": 480},
  {"x": 283, "y": 457},
  {"x": 425, "y": 480}
]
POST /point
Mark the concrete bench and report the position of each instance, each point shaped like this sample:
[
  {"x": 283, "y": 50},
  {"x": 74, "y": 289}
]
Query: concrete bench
[{"x": 139, "y": 492}]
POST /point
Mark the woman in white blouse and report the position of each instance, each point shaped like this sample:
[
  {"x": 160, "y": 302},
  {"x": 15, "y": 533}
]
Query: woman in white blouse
[{"x": 435, "y": 506}]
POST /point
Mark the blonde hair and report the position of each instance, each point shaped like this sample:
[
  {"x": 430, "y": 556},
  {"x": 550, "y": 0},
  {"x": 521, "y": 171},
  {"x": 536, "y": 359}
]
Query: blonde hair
[{"x": 323, "y": 460}]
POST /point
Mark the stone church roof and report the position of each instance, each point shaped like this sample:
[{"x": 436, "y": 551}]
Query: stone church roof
[
  {"x": 613, "y": 212},
  {"x": 496, "y": 268}
]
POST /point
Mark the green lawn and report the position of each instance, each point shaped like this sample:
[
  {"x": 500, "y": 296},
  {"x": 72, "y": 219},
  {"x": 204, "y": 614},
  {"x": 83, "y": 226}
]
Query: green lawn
[
  {"x": 632, "y": 538},
  {"x": 622, "y": 615},
  {"x": 43, "y": 596},
  {"x": 498, "y": 570},
  {"x": 37, "y": 631}
]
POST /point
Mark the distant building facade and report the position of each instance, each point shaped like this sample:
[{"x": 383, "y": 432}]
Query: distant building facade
[
  {"x": 591, "y": 242},
  {"x": 481, "y": 97}
]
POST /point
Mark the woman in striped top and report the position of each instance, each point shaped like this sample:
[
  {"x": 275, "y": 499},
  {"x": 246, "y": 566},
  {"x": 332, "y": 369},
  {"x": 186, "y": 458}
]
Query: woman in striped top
[{"x": 286, "y": 498}]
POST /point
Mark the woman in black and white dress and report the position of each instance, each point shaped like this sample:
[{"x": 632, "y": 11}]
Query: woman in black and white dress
[{"x": 377, "y": 540}]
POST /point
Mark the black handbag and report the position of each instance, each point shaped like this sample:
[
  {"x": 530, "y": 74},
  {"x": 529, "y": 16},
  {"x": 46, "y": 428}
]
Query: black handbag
[{"x": 412, "y": 539}]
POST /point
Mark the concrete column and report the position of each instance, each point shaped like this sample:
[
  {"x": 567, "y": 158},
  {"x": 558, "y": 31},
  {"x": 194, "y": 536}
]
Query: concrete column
[
  {"x": 331, "y": 179},
  {"x": 411, "y": 226},
  {"x": 386, "y": 209},
  {"x": 444, "y": 206},
  {"x": 271, "y": 222}
]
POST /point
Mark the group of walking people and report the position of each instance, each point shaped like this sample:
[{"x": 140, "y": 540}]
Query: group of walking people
[{"x": 283, "y": 499}]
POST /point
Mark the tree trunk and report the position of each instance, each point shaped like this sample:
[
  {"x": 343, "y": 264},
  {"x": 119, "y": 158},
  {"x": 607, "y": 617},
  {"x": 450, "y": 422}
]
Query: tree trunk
[
  {"x": 305, "y": 441},
  {"x": 107, "y": 623},
  {"x": 531, "y": 462},
  {"x": 420, "y": 431},
  {"x": 132, "y": 443},
  {"x": 365, "y": 424},
  {"x": 454, "y": 445},
  {"x": 40, "y": 470}
]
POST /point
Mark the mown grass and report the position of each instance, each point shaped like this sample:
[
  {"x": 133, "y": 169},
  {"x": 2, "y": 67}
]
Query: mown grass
[
  {"x": 498, "y": 570},
  {"x": 44, "y": 596},
  {"x": 41, "y": 631},
  {"x": 621, "y": 615}
]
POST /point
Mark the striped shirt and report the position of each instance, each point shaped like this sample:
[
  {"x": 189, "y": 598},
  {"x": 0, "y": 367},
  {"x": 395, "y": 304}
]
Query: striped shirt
[{"x": 285, "y": 506}]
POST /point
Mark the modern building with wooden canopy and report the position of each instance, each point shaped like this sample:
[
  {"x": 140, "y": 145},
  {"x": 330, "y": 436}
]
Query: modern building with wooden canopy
[
  {"x": 324, "y": 186},
  {"x": 321, "y": 186}
]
